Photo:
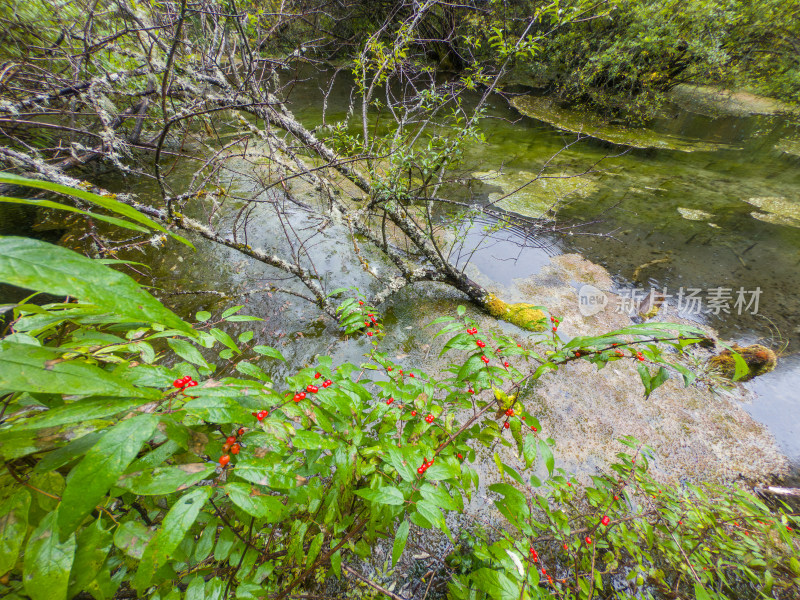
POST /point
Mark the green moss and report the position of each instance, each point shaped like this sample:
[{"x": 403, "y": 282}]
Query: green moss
[
  {"x": 525, "y": 316},
  {"x": 759, "y": 359}
]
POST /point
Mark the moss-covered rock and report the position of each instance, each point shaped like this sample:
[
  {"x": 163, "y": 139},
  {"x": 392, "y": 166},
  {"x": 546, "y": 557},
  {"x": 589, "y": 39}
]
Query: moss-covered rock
[
  {"x": 521, "y": 314},
  {"x": 759, "y": 359}
]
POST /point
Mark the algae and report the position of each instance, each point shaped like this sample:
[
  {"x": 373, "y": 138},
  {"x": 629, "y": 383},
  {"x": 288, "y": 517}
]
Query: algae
[
  {"x": 523, "y": 315},
  {"x": 589, "y": 123}
]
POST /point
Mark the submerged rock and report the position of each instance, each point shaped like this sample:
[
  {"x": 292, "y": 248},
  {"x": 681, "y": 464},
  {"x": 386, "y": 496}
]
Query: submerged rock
[
  {"x": 591, "y": 124},
  {"x": 714, "y": 101},
  {"x": 759, "y": 359},
  {"x": 776, "y": 210},
  {"x": 527, "y": 194},
  {"x": 692, "y": 214}
]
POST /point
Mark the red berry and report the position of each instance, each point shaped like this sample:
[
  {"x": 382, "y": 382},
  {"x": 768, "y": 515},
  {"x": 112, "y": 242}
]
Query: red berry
[
  {"x": 616, "y": 497},
  {"x": 388, "y": 368},
  {"x": 361, "y": 302},
  {"x": 262, "y": 414},
  {"x": 390, "y": 400},
  {"x": 192, "y": 383},
  {"x": 178, "y": 383},
  {"x": 565, "y": 546},
  {"x": 327, "y": 383},
  {"x": 605, "y": 520},
  {"x": 224, "y": 460},
  {"x": 421, "y": 470},
  {"x": 510, "y": 412},
  {"x": 480, "y": 343},
  {"x": 588, "y": 540},
  {"x": 506, "y": 365},
  {"x": 460, "y": 456},
  {"x": 555, "y": 329},
  {"x": 522, "y": 417},
  {"x": 241, "y": 431},
  {"x": 413, "y": 413},
  {"x": 317, "y": 375},
  {"x": 369, "y": 333},
  {"x": 312, "y": 389},
  {"x": 235, "y": 449},
  {"x": 230, "y": 439},
  {"x": 534, "y": 428},
  {"x": 788, "y": 528},
  {"x": 506, "y": 425},
  {"x": 411, "y": 375},
  {"x": 226, "y": 447},
  {"x": 471, "y": 391},
  {"x": 484, "y": 359}
]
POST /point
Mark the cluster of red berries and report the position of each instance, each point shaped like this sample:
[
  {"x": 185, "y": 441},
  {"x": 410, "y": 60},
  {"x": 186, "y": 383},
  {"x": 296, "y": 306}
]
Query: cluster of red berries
[
  {"x": 480, "y": 343},
  {"x": 373, "y": 322},
  {"x": 424, "y": 467},
  {"x": 639, "y": 356},
  {"x": 430, "y": 418},
  {"x": 555, "y": 323},
  {"x": 231, "y": 446},
  {"x": 472, "y": 331},
  {"x": 184, "y": 382},
  {"x": 605, "y": 520}
]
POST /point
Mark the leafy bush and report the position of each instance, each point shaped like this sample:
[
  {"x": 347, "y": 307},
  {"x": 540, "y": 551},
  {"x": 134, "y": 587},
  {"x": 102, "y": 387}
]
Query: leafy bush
[{"x": 145, "y": 456}]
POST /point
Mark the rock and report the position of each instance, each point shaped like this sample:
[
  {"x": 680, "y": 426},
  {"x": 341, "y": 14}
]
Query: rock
[
  {"x": 589, "y": 123},
  {"x": 759, "y": 359},
  {"x": 715, "y": 102}
]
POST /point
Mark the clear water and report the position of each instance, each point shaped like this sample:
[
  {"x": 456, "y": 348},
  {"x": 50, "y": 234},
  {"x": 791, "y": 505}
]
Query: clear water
[{"x": 628, "y": 218}]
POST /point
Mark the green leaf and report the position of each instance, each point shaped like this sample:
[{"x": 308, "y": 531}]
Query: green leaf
[
  {"x": 82, "y": 410},
  {"x": 27, "y": 368},
  {"x": 94, "y": 543},
  {"x": 547, "y": 454},
  {"x": 232, "y": 310},
  {"x": 224, "y": 338},
  {"x": 314, "y": 548},
  {"x": 47, "y": 561},
  {"x": 384, "y": 495},
  {"x": 13, "y": 527},
  {"x": 700, "y": 593},
  {"x": 109, "y": 204},
  {"x": 399, "y": 542},
  {"x": 256, "y": 504},
  {"x": 132, "y": 538},
  {"x": 496, "y": 584},
  {"x": 740, "y": 366},
  {"x": 100, "y": 468},
  {"x": 268, "y": 351},
  {"x": 657, "y": 380},
  {"x": 311, "y": 440},
  {"x": 173, "y": 528},
  {"x": 50, "y": 204},
  {"x": 529, "y": 446},
  {"x": 187, "y": 352},
  {"x": 37, "y": 265},
  {"x": 202, "y": 316},
  {"x": 165, "y": 480}
]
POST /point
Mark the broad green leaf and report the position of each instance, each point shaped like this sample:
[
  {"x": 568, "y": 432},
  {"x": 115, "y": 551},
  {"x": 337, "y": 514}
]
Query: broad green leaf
[
  {"x": 314, "y": 548},
  {"x": 255, "y": 503},
  {"x": 50, "y": 204},
  {"x": 224, "y": 338},
  {"x": 110, "y": 204},
  {"x": 37, "y": 265},
  {"x": 187, "y": 352},
  {"x": 165, "y": 480},
  {"x": 13, "y": 527},
  {"x": 311, "y": 440},
  {"x": 267, "y": 471},
  {"x": 100, "y": 468},
  {"x": 88, "y": 408},
  {"x": 547, "y": 454},
  {"x": 173, "y": 528},
  {"x": 15, "y": 444},
  {"x": 268, "y": 351},
  {"x": 399, "y": 542},
  {"x": 529, "y": 449},
  {"x": 740, "y": 366},
  {"x": 94, "y": 542},
  {"x": 132, "y": 538},
  {"x": 496, "y": 584},
  {"x": 48, "y": 561},
  {"x": 384, "y": 495},
  {"x": 26, "y": 368}
]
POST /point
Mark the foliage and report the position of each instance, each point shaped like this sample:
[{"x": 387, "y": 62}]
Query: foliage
[{"x": 133, "y": 463}]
